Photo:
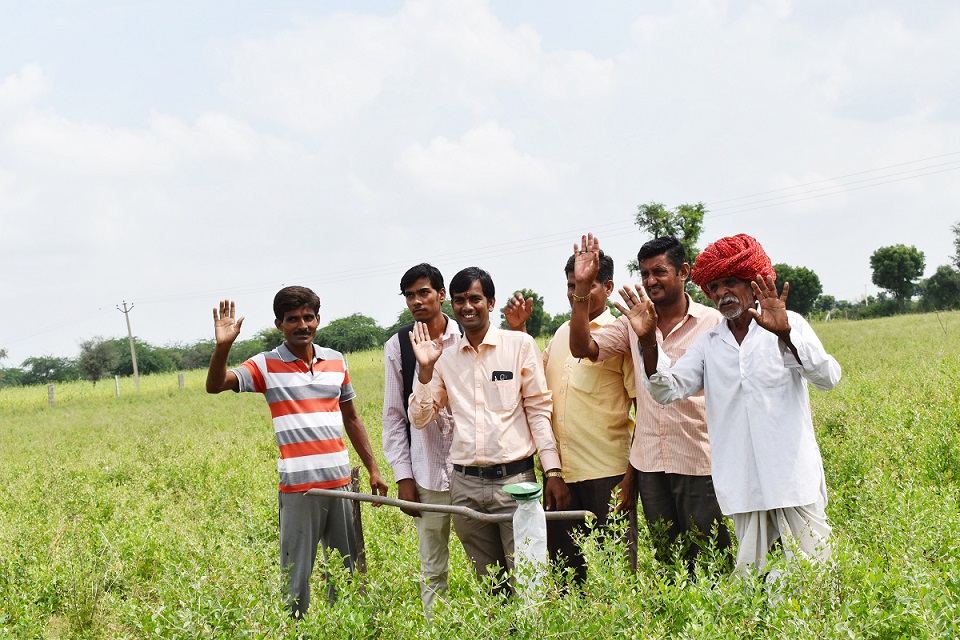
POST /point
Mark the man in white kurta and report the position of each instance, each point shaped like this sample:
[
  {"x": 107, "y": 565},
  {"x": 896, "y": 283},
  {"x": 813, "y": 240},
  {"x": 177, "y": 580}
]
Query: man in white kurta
[{"x": 754, "y": 370}]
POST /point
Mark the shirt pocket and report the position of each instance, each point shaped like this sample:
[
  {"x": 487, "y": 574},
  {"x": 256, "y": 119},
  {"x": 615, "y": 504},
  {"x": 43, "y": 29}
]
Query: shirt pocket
[
  {"x": 767, "y": 368},
  {"x": 502, "y": 395},
  {"x": 584, "y": 377}
]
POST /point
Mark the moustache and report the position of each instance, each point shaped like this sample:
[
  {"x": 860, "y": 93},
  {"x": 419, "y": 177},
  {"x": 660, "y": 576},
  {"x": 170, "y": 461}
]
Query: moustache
[{"x": 728, "y": 299}]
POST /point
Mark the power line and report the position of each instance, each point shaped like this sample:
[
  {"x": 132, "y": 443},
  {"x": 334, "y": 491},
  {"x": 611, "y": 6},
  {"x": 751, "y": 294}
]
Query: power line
[{"x": 609, "y": 229}]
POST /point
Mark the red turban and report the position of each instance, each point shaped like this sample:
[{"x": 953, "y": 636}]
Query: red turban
[{"x": 740, "y": 256}]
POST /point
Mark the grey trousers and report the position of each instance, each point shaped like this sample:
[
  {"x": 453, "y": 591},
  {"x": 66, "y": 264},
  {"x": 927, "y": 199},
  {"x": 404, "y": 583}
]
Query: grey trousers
[{"x": 305, "y": 523}]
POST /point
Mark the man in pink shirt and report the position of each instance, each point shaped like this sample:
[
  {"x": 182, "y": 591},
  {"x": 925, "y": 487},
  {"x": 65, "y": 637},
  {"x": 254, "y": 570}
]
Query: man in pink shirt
[
  {"x": 493, "y": 383},
  {"x": 670, "y": 456}
]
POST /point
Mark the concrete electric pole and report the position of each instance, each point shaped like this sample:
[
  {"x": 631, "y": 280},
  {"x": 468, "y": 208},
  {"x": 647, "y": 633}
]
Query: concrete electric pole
[{"x": 133, "y": 351}]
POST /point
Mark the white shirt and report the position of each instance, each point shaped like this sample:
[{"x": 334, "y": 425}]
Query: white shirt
[
  {"x": 765, "y": 454},
  {"x": 426, "y": 456}
]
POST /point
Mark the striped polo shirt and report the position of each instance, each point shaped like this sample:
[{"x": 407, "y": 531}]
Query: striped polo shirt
[{"x": 305, "y": 404}]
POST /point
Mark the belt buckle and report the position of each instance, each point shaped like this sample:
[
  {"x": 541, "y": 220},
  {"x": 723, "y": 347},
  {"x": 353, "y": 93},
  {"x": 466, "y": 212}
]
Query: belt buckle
[{"x": 498, "y": 471}]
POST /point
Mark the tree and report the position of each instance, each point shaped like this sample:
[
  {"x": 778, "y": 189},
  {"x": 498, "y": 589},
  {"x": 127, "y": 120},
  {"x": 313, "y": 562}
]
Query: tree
[
  {"x": 150, "y": 359},
  {"x": 47, "y": 369},
  {"x": 97, "y": 358},
  {"x": 685, "y": 223},
  {"x": 824, "y": 303},
  {"x": 539, "y": 319},
  {"x": 804, "y": 287},
  {"x": 942, "y": 289},
  {"x": 896, "y": 268},
  {"x": 353, "y": 333}
]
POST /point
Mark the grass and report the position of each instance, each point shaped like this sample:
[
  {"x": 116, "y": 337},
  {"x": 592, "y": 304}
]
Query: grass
[{"x": 154, "y": 515}]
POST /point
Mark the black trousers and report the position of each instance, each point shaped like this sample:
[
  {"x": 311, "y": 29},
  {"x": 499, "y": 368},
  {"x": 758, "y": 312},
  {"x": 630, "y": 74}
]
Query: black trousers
[
  {"x": 592, "y": 495},
  {"x": 681, "y": 508}
]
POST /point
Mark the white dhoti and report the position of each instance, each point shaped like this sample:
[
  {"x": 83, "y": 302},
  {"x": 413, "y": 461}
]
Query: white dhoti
[{"x": 757, "y": 531}]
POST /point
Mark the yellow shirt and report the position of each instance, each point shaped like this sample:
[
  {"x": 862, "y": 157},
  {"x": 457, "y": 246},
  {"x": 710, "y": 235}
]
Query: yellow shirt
[{"x": 591, "y": 407}]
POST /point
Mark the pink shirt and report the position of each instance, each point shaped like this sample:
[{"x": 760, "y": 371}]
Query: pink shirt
[
  {"x": 669, "y": 438},
  {"x": 498, "y": 397}
]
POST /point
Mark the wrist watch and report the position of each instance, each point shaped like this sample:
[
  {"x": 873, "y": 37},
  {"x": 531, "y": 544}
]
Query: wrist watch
[{"x": 553, "y": 474}]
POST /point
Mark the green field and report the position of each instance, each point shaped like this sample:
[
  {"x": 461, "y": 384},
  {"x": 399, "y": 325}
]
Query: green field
[{"x": 154, "y": 515}]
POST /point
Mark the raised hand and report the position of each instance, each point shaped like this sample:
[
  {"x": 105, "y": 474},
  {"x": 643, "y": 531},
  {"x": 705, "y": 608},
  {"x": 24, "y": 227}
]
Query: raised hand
[
  {"x": 586, "y": 266},
  {"x": 426, "y": 351},
  {"x": 772, "y": 315},
  {"x": 517, "y": 311},
  {"x": 639, "y": 311},
  {"x": 226, "y": 327}
]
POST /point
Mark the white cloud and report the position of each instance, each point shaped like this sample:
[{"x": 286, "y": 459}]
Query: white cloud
[
  {"x": 429, "y": 56},
  {"x": 24, "y": 88},
  {"x": 483, "y": 163}
]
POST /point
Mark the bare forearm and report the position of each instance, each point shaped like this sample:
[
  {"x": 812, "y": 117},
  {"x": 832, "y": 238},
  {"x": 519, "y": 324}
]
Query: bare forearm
[
  {"x": 217, "y": 373},
  {"x": 582, "y": 344},
  {"x": 357, "y": 434},
  {"x": 649, "y": 353}
]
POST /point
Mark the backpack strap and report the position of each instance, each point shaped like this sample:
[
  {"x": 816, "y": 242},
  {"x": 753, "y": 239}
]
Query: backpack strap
[{"x": 408, "y": 363}]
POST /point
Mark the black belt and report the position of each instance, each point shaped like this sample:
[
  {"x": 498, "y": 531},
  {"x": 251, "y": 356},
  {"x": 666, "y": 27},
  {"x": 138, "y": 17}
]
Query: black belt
[{"x": 497, "y": 470}]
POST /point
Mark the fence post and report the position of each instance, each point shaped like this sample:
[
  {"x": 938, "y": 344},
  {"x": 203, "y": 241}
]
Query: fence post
[
  {"x": 180, "y": 379},
  {"x": 632, "y": 533},
  {"x": 116, "y": 383},
  {"x": 50, "y": 394},
  {"x": 357, "y": 522}
]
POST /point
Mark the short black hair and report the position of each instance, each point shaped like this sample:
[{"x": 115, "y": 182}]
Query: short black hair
[
  {"x": 465, "y": 279},
  {"x": 422, "y": 270},
  {"x": 291, "y": 298},
  {"x": 604, "y": 275},
  {"x": 668, "y": 245}
]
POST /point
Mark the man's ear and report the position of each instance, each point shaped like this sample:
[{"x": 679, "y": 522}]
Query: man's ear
[
  {"x": 277, "y": 322},
  {"x": 684, "y": 271},
  {"x": 608, "y": 287},
  {"x": 442, "y": 293},
  {"x": 492, "y": 304}
]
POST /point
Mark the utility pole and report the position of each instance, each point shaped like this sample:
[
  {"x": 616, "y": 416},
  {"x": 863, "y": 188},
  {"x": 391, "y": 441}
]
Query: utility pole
[{"x": 133, "y": 351}]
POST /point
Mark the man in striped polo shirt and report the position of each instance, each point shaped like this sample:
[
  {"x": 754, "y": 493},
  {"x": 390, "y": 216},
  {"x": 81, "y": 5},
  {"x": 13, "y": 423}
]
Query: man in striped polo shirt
[{"x": 311, "y": 400}]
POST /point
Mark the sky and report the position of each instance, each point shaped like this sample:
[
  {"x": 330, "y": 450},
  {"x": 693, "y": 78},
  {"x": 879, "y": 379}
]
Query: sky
[{"x": 168, "y": 154}]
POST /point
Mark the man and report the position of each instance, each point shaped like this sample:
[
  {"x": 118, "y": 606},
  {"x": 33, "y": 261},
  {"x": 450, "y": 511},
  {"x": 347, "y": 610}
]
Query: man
[
  {"x": 420, "y": 457},
  {"x": 311, "y": 400},
  {"x": 754, "y": 368},
  {"x": 493, "y": 383},
  {"x": 591, "y": 415},
  {"x": 670, "y": 456}
]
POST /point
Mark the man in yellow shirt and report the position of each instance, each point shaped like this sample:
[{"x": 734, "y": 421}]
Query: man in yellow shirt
[{"x": 591, "y": 415}]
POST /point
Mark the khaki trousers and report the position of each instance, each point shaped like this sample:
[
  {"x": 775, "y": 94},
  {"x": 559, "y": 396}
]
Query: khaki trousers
[
  {"x": 489, "y": 545},
  {"x": 433, "y": 533}
]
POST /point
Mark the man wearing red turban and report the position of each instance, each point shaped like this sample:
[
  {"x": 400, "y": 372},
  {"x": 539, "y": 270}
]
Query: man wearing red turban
[{"x": 753, "y": 369}]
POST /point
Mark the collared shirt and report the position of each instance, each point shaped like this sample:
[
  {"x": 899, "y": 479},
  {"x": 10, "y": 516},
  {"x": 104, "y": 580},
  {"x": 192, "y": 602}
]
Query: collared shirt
[
  {"x": 591, "y": 407},
  {"x": 425, "y": 456},
  {"x": 668, "y": 438},
  {"x": 499, "y": 399},
  {"x": 305, "y": 404},
  {"x": 765, "y": 454}
]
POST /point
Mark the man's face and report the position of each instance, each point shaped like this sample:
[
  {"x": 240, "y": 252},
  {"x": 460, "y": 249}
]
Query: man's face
[
  {"x": 472, "y": 308},
  {"x": 662, "y": 281},
  {"x": 732, "y": 296},
  {"x": 598, "y": 295},
  {"x": 423, "y": 300},
  {"x": 299, "y": 326}
]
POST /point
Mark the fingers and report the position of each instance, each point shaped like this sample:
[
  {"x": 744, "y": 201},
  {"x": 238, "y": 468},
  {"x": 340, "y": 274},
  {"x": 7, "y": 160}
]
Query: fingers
[{"x": 786, "y": 288}]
